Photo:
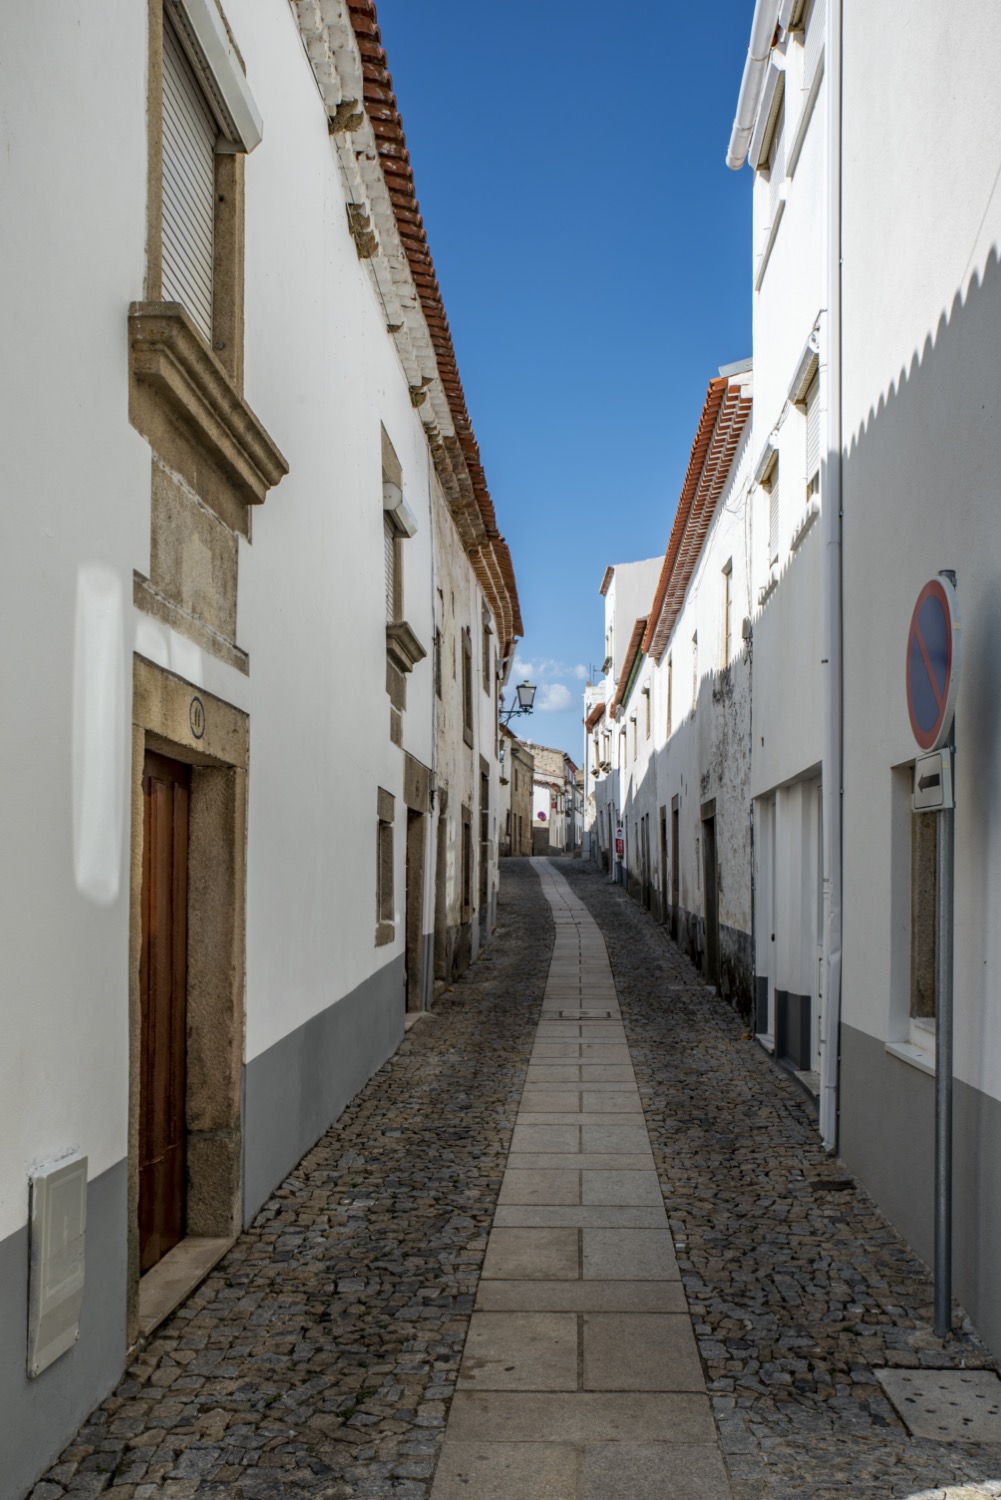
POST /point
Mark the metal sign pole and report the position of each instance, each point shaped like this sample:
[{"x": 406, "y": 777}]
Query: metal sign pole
[{"x": 945, "y": 849}]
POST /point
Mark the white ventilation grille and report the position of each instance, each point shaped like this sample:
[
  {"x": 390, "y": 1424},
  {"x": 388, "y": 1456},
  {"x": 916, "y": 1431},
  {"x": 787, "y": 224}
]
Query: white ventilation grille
[
  {"x": 55, "y": 1278},
  {"x": 189, "y": 142}
]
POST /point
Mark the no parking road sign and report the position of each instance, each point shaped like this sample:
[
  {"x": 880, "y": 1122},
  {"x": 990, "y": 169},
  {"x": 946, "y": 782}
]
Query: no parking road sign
[{"x": 933, "y": 663}]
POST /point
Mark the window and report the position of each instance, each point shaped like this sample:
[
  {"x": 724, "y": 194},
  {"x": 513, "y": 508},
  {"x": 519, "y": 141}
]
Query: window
[
  {"x": 776, "y": 162},
  {"x": 670, "y": 689},
  {"x": 812, "y": 412},
  {"x": 487, "y": 632},
  {"x": 622, "y": 747},
  {"x": 632, "y": 722},
  {"x": 385, "y": 896},
  {"x": 772, "y": 488},
  {"x": 727, "y": 612},
  {"x": 188, "y": 185},
  {"x": 394, "y": 571},
  {"x": 437, "y": 663},
  {"x": 924, "y": 881},
  {"x": 646, "y": 695},
  {"x": 467, "y": 687},
  {"x": 208, "y": 121},
  {"x": 695, "y": 670}
]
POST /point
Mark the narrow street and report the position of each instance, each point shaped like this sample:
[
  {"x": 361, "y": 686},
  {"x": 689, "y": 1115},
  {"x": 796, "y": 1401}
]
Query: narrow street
[{"x": 412, "y": 1301}]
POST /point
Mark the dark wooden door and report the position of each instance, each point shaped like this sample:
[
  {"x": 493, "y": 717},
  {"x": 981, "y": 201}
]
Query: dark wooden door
[
  {"x": 162, "y": 986},
  {"x": 675, "y": 871},
  {"x": 710, "y": 870}
]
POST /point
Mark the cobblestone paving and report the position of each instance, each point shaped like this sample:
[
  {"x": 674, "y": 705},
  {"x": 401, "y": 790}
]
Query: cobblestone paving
[
  {"x": 317, "y": 1362},
  {"x": 797, "y": 1285}
]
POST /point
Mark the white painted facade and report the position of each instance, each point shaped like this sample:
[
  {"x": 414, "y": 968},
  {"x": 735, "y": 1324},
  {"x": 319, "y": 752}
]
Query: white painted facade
[
  {"x": 324, "y": 376},
  {"x": 671, "y": 750},
  {"x": 921, "y": 445},
  {"x": 895, "y": 268}
]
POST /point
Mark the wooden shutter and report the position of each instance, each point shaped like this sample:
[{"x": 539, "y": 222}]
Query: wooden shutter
[
  {"x": 812, "y": 433},
  {"x": 189, "y": 137}
]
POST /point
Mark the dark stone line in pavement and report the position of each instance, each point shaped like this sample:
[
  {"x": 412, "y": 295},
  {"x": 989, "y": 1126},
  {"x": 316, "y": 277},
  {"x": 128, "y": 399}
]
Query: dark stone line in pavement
[
  {"x": 796, "y": 1294},
  {"x": 318, "y": 1360}
]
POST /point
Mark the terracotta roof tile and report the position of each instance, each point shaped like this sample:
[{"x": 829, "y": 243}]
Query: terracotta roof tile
[
  {"x": 381, "y": 107},
  {"x": 717, "y": 438}
]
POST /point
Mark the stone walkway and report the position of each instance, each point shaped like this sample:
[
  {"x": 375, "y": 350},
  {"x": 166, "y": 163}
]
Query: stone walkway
[{"x": 580, "y": 1378}]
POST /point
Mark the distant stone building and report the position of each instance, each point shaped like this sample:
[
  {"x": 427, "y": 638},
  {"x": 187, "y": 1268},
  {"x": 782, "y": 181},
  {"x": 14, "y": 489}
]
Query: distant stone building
[
  {"x": 557, "y": 817},
  {"x": 514, "y": 808}
]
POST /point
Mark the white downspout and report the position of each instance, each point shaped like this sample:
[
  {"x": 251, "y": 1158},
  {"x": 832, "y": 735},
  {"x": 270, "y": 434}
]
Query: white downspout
[
  {"x": 762, "y": 34},
  {"x": 833, "y": 716}
]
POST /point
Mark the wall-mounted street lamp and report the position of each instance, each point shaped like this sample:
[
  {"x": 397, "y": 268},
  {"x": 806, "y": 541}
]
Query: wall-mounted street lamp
[{"x": 526, "y": 697}]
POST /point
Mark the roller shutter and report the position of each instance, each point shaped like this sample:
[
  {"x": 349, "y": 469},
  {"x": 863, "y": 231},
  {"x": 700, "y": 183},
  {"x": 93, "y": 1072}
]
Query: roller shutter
[{"x": 189, "y": 140}]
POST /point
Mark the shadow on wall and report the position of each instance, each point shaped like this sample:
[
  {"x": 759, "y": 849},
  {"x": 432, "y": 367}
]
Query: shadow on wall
[{"x": 921, "y": 493}]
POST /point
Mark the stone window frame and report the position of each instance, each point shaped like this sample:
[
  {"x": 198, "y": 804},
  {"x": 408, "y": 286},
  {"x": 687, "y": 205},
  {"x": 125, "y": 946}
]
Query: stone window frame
[
  {"x": 385, "y": 868},
  {"x": 186, "y": 392}
]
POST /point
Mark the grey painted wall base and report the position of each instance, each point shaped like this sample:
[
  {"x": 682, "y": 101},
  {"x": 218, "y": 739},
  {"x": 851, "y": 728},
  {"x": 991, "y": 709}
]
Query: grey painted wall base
[
  {"x": 38, "y": 1417},
  {"x": 295, "y": 1090},
  {"x": 887, "y": 1138}
]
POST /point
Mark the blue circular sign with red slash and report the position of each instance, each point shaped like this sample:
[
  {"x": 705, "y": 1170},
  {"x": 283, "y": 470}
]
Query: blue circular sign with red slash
[{"x": 933, "y": 663}]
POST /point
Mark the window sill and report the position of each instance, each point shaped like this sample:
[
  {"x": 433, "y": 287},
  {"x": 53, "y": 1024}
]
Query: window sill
[
  {"x": 918, "y": 1057},
  {"x": 402, "y": 646},
  {"x": 385, "y": 932},
  {"x": 810, "y": 514},
  {"x": 186, "y": 405},
  {"x": 467, "y": 736}
]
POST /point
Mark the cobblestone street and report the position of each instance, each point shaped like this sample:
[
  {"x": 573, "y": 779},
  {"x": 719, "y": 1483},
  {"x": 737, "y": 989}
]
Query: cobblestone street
[{"x": 320, "y": 1358}]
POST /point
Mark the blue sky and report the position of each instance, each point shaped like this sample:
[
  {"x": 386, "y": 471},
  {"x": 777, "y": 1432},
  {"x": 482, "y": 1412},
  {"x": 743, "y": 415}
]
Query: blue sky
[{"x": 593, "y": 252}]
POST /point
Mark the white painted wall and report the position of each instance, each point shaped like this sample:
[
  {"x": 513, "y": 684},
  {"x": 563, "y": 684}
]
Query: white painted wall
[
  {"x": 923, "y": 455},
  {"x": 75, "y": 524}
]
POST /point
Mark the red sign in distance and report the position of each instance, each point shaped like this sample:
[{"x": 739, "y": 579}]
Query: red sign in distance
[{"x": 932, "y": 666}]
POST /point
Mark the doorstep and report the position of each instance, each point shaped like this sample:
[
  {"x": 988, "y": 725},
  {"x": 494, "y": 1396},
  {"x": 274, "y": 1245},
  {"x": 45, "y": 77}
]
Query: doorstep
[{"x": 175, "y": 1277}]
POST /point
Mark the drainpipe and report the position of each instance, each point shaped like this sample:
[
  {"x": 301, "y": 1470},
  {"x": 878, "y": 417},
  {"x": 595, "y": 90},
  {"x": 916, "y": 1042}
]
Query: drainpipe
[
  {"x": 762, "y": 36},
  {"x": 832, "y": 519}
]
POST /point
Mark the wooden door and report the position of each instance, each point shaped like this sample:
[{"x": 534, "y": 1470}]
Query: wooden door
[
  {"x": 710, "y": 871},
  {"x": 675, "y": 871},
  {"x": 162, "y": 986}
]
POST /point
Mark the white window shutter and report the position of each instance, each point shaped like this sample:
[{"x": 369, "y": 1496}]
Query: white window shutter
[
  {"x": 189, "y": 141},
  {"x": 390, "y": 545},
  {"x": 812, "y": 430},
  {"x": 773, "y": 519}
]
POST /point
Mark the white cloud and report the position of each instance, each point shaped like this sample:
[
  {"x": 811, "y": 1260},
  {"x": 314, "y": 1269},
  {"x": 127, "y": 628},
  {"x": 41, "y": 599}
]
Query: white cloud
[
  {"x": 554, "y": 697},
  {"x": 546, "y": 669}
]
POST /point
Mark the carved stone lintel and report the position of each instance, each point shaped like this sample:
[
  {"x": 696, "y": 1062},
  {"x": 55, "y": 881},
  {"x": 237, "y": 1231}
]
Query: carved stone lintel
[
  {"x": 403, "y": 648},
  {"x": 178, "y": 386}
]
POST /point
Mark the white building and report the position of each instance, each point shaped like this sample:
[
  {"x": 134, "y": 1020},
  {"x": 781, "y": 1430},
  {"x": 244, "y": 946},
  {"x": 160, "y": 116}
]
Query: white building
[
  {"x": 877, "y": 312},
  {"x": 671, "y": 750},
  {"x": 237, "y": 441},
  {"x": 794, "y": 746}
]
